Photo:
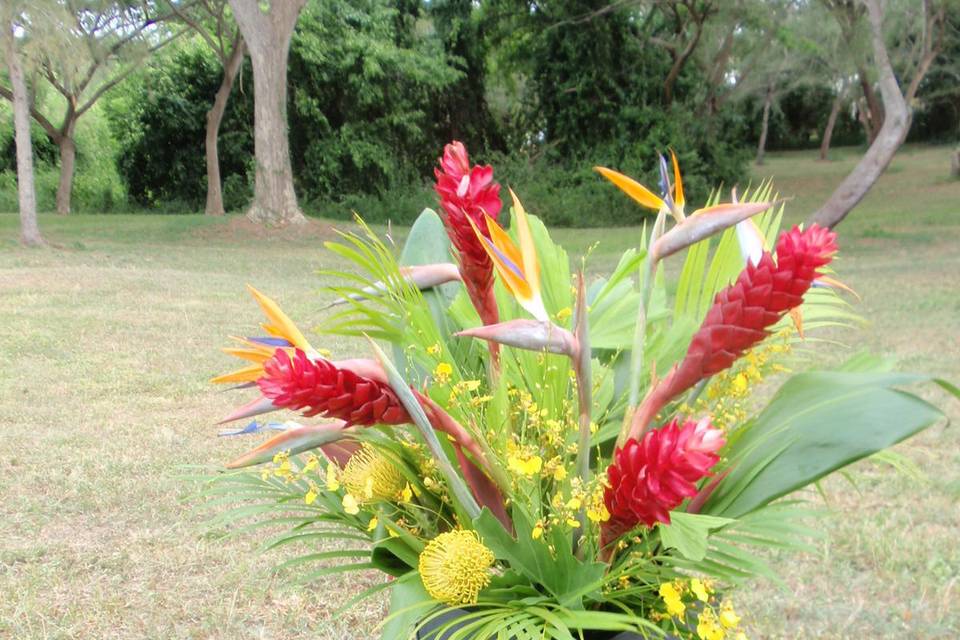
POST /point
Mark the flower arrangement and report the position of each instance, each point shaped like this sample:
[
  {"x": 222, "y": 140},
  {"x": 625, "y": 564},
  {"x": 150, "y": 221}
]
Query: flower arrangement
[{"x": 529, "y": 455}]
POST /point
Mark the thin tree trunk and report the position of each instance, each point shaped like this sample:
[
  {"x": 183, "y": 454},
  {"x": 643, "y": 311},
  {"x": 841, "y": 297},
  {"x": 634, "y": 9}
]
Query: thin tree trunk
[
  {"x": 765, "y": 127},
  {"x": 831, "y": 123},
  {"x": 715, "y": 81},
  {"x": 231, "y": 68},
  {"x": 268, "y": 36},
  {"x": 896, "y": 124},
  {"x": 68, "y": 160},
  {"x": 873, "y": 116},
  {"x": 863, "y": 115},
  {"x": 29, "y": 231},
  {"x": 955, "y": 164}
]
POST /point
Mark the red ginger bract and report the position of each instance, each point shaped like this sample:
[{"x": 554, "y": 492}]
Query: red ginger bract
[
  {"x": 320, "y": 387},
  {"x": 469, "y": 192},
  {"x": 743, "y": 312},
  {"x": 649, "y": 477}
]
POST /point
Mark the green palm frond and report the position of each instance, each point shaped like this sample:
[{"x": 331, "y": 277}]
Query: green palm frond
[{"x": 739, "y": 551}]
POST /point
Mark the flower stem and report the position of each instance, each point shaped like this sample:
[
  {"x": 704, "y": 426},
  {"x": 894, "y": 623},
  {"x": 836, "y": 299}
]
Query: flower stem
[{"x": 413, "y": 407}]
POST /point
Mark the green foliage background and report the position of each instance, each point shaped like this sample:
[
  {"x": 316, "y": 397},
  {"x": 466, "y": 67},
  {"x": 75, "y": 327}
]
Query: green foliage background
[{"x": 377, "y": 87}]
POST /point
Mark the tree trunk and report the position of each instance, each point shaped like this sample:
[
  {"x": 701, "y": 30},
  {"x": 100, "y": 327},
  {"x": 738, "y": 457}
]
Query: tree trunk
[
  {"x": 873, "y": 116},
  {"x": 831, "y": 123},
  {"x": 29, "y": 231},
  {"x": 955, "y": 163},
  {"x": 68, "y": 160},
  {"x": 214, "y": 117},
  {"x": 764, "y": 128},
  {"x": 896, "y": 124},
  {"x": 268, "y": 35}
]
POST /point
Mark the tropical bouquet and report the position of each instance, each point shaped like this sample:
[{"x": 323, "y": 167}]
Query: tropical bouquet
[{"x": 531, "y": 455}]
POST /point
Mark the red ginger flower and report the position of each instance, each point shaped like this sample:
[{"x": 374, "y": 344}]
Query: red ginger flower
[
  {"x": 469, "y": 193},
  {"x": 650, "y": 477},
  {"x": 743, "y": 312},
  {"x": 321, "y": 387}
]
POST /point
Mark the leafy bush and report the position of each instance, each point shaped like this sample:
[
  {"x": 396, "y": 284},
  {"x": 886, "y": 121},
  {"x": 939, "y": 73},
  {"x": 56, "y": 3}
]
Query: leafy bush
[
  {"x": 97, "y": 186},
  {"x": 361, "y": 82},
  {"x": 159, "y": 120},
  {"x": 44, "y": 151}
]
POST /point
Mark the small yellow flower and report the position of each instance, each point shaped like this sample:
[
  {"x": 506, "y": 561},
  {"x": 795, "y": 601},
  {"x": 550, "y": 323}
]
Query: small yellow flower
[
  {"x": 671, "y": 598},
  {"x": 313, "y": 462},
  {"x": 699, "y": 590},
  {"x": 311, "y": 496},
  {"x": 537, "y": 532},
  {"x": 406, "y": 494},
  {"x": 573, "y": 522},
  {"x": 525, "y": 466},
  {"x": 479, "y": 400},
  {"x": 668, "y": 591},
  {"x": 434, "y": 349},
  {"x": 470, "y": 385},
  {"x": 574, "y": 503},
  {"x": 373, "y": 524},
  {"x": 333, "y": 479},
  {"x": 350, "y": 505},
  {"x": 442, "y": 373},
  {"x": 598, "y": 513},
  {"x": 560, "y": 473},
  {"x": 728, "y": 617},
  {"x": 707, "y": 626},
  {"x": 564, "y": 313},
  {"x": 740, "y": 383},
  {"x": 455, "y": 567}
]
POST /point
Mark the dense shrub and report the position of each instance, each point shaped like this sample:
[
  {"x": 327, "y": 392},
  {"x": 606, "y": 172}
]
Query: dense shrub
[
  {"x": 361, "y": 84},
  {"x": 44, "y": 151},
  {"x": 97, "y": 186},
  {"x": 567, "y": 191},
  {"x": 160, "y": 121}
]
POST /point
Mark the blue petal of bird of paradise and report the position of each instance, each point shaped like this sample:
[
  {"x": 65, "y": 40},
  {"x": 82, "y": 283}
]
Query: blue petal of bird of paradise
[
  {"x": 293, "y": 441},
  {"x": 270, "y": 341},
  {"x": 665, "y": 187},
  {"x": 503, "y": 257},
  {"x": 257, "y": 427}
]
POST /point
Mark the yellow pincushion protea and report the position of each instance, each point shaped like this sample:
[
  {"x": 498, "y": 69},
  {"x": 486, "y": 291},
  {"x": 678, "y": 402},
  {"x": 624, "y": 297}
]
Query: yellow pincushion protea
[
  {"x": 455, "y": 567},
  {"x": 369, "y": 476}
]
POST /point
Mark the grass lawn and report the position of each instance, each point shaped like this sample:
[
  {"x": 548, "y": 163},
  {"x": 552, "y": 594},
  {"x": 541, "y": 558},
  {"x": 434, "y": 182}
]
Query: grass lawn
[{"x": 108, "y": 338}]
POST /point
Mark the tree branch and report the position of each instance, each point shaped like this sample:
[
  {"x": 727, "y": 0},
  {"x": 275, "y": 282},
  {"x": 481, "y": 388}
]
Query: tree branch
[
  {"x": 47, "y": 126},
  {"x": 106, "y": 86},
  {"x": 896, "y": 124}
]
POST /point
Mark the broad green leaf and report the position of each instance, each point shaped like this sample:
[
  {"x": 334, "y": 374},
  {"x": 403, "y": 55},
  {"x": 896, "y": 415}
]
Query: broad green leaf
[
  {"x": 409, "y": 602},
  {"x": 817, "y": 422},
  {"x": 427, "y": 243},
  {"x": 394, "y": 556},
  {"x": 560, "y": 573},
  {"x": 688, "y": 533}
]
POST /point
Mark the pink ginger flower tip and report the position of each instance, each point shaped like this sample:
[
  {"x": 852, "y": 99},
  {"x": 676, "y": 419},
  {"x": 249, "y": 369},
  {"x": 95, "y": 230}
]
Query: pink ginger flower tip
[{"x": 650, "y": 477}]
